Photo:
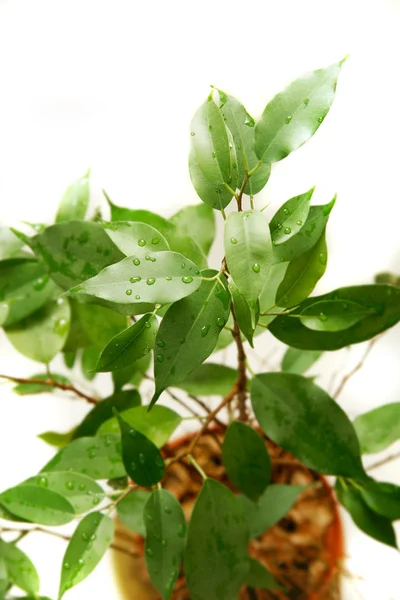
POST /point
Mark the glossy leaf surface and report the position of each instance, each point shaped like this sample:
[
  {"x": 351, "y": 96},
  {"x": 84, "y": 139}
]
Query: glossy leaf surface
[
  {"x": 379, "y": 428},
  {"x": 37, "y": 504},
  {"x": 208, "y": 380},
  {"x": 20, "y": 569},
  {"x": 383, "y": 498},
  {"x": 130, "y": 511},
  {"x": 103, "y": 411},
  {"x": 299, "y": 361},
  {"x": 245, "y": 316},
  {"x": 199, "y": 222},
  {"x": 333, "y": 315},
  {"x": 135, "y": 238},
  {"x": 290, "y": 217},
  {"x": 75, "y": 201},
  {"x": 216, "y": 196}
]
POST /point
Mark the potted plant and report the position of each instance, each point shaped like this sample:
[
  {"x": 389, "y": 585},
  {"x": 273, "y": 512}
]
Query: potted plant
[{"x": 240, "y": 507}]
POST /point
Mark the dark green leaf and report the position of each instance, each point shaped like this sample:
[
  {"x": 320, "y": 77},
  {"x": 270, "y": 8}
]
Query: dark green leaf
[
  {"x": 245, "y": 316},
  {"x": 217, "y": 543},
  {"x": 189, "y": 332},
  {"x": 199, "y": 222},
  {"x": 86, "y": 548},
  {"x": 246, "y": 459},
  {"x": 54, "y": 438},
  {"x": 103, "y": 411},
  {"x": 132, "y": 374},
  {"x": 333, "y": 315},
  {"x": 295, "y": 114},
  {"x": 135, "y": 238},
  {"x": 290, "y": 217},
  {"x": 299, "y": 361},
  {"x": 302, "y": 418},
  {"x": 379, "y": 428},
  {"x": 383, "y": 498},
  {"x": 20, "y": 569},
  {"x": 259, "y": 577},
  {"x": 75, "y": 201},
  {"x": 69, "y": 357},
  {"x": 130, "y": 511},
  {"x": 210, "y": 379},
  {"x": 89, "y": 359},
  {"x": 10, "y": 244},
  {"x": 24, "y": 389},
  {"x": 37, "y": 504},
  {"x": 165, "y": 540},
  {"x": 216, "y": 196}
]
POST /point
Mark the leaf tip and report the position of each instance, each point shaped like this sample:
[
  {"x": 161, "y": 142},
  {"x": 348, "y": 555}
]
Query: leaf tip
[{"x": 341, "y": 62}]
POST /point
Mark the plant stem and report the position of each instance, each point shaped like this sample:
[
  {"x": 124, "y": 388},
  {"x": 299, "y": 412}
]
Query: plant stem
[
  {"x": 242, "y": 378},
  {"x": 65, "y": 387},
  {"x": 384, "y": 461},
  {"x": 197, "y": 466},
  {"x": 358, "y": 366}
]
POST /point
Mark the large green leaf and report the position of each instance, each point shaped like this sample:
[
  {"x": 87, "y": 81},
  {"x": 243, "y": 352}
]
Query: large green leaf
[
  {"x": 99, "y": 323},
  {"x": 333, "y": 315},
  {"x": 216, "y": 196},
  {"x": 382, "y": 302},
  {"x": 259, "y": 577},
  {"x": 25, "y": 389},
  {"x": 383, "y": 498},
  {"x": 302, "y": 418},
  {"x": 290, "y": 217},
  {"x": 379, "y": 428},
  {"x": 246, "y": 459},
  {"x": 133, "y": 237},
  {"x": 75, "y": 200},
  {"x": 130, "y": 511},
  {"x": 210, "y": 379},
  {"x": 103, "y": 411},
  {"x": 20, "y": 569},
  {"x": 199, "y": 222},
  {"x": 10, "y": 244},
  {"x": 86, "y": 548},
  {"x": 295, "y": 114},
  {"x": 165, "y": 540},
  {"x": 248, "y": 251},
  {"x": 129, "y": 345},
  {"x": 43, "y": 334},
  {"x": 217, "y": 543},
  {"x": 189, "y": 332},
  {"x": 37, "y": 504},
  {"x": 299, "y": 361}
]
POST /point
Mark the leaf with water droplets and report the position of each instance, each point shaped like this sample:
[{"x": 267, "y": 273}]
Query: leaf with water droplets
[
  {"x": 259, "y": 577},
  {"x": 142, "y": 459},
  {"x": 129, "y": 345},
  {"x": 379, "y": 428},
  {"x": 189, "y": 332},
  {"x": 303, "y": 419},
  {"x": 248, "y": 251},
  {"x": 25, "y": 389},
  {"x": 246, "y": 459},
  {"x": 135, "y": 238},
  {"x": 37, "y": 504},
  {"x": 210, "y": 379},
  {"x": 85, "y": 550},
  {"x": 75, "y": 200},
  {"x": 216, "y": 196},
  {"x": 103, "y": 410},
  {"x": 20, "y": 570},
  {"x": 217, "y": 542},
  {"x": 43, "y": 334},
  {"x": 165, "y": 540},
  {"x": 130, "y": 511},
  {"x": 290, "y": 216},
  {"x": 246, "y": 318},
  {"x": 333, "y": 315},
  {"x": 299, "y": 361},
  {"x": 199, "y": 222},
  {"x": 157, "y": 425},
  {"x": 295, "y": 114}
]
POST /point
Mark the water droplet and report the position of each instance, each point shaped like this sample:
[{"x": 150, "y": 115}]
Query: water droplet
[
  {"x": 320, "y": 119},
  {"x": 43, "y": 481},
  {"x": 183, "y": 265},
  {"x": 135, "y": 279},
  {"x": 192, "y": 133},
  {"x": 220, "y": 322},
  {"x": 233, "y": 240},
  {"x": 239, "y": 147},
  {"x": 279, "y": 225},
  {"x": 93, "y": 536},
  {"x": 168, "y": 278},
  {"x": 136, "y": 261},
  {"x": 306, "y": 101},
  {"x": 210, "y": 128},
  {"x": 161, "y": 343},
  {"x": 167, "y": 510},
  {"x": 287, "y": 230},
  {"x": 95, "y": 501},
  {"x": 151, "y": 281},
  {"x": 249, "y": 121},
  {"x": 70, "y": 485},
  {"x": 299, "y": 222},
  {"x": 213, "y": 154},
  {"x": 141, "y": 243},
  {"x": 322, "y": 317},
  {"x": 137, "y": 297},
  {"x": 187, "y": 279},
  {"x": 288, "y": 119},
  {"x": 149, "y": 552},
  {"x": 40, "y": 283},
  {"x": 234, "y": 166},
  {"x": 323, "y": 258},
  {"x": 67, "y": 566},
  {"x": 132, "y": 433},
  {"x": 160, "y": 357},
  {"x": 155, "y": 241},
  {"x": 81, "y": 562},
  {"x": 82, "y": 486},
  {"x": 142, "y": 458},
  {"x": 128, "y": 292},
  {"x": 182, "y": 340},
  {"x": 164, "y": 543},
  {"x": 256, "y": 268},
  {"x": 147, "y": 325},
  {"x": 85, "y": 537},
  {"x": 181, "y": 530},
  {"x": 230, "y": 145},
  {"x": 204, "y": 330},
  {"x": 285, "y": 211},
  {"x": 133, "y": 466}
]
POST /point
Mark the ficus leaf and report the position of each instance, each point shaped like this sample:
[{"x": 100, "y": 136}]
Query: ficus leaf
[
  {"x": 134, "y": 237},
  {"x": 57, "y": 439},
  {"x": 89, "y": 359},
  {"x": 25, "y": 389},
  {"x": 19, "y": 567},
  {"x": 383, "y": 498},
  {"x": 37, "y": 504},
  {"x": 299, "y": 361},
  {"x": 100, "y": 324},
  {"x": 259, "y": 577},
  {"x": 10, "y": 244},
  {"x": 216, "y": 196},
  {"x": 199, "y": 222},
  {"x": 290, "y": 217},
  {"x": 246, "y": 317},
  {"x": 333, "y": 315},
  {"x": 379, "y": 428},
  {"x": 130, "y": 511},
  {"x": 75, "y": 200},
  {"x": 133, "y": 374},
  {"x": 208, "y": 380}
]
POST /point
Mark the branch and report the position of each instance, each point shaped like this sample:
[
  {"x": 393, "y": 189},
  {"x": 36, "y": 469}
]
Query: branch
[
  {"x": 356, "y": 368},
  {"x": 65, "y": 387},
  {"x": 242, "y": 378},
  {"x": 384, "y": 461}
]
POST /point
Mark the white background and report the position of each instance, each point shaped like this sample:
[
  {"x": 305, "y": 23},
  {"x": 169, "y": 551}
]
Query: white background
[{"x": 112, "y": 85}]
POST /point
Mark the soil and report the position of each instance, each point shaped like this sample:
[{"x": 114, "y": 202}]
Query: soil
[{"x": 303, "y": 551}]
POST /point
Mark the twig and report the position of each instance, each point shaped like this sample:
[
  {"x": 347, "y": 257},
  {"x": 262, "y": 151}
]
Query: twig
[
  {"x": 384, "y": 461},
  {"x": 242, "y": 379},
  {"x": 65, "y": 387},
  {"x": 356, "y": 368}
]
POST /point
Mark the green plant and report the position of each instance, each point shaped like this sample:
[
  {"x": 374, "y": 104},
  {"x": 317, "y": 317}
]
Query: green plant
[{"x": 109, "y": 295}]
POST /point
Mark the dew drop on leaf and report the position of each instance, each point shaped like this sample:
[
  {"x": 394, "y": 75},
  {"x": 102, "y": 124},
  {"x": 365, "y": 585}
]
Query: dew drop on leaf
[
  {"x": 320, "y": 119},
  {"x": 288, "y": 119},
  {"x": 285, "y": 211},
  {"x": 135, "y": 279},
  {"x": 233, "y": 240},
  {"x": 306, "y": 101},
  {"x": 151, "y": 280},
  {"x": 128, "y": 292},
  {"x": 164, "y": 543},
  {"x": 70, "y": 485},
  {"x": 67, "y": 566},
  {"x": 142, "y": 458},
  {"x": 279, "y": 225},
  {"x": 204, "y": 330},
  {"x": 220, "y": 322},
  {"x": 287, "y": 230},
  {"x": 323, "y": 258},
  {"x": 155, "y": 241},
  {"x": 168, "y": 278},
  {"x": 147, "y": 325},
  {"x": 299, "y": 223},
  {"x": 167, "y": 510},
  {"x": 43, "y": 482},
  {"x": 256, "y": 268},
  {"x": 160, "y": 358},
  {"x": 322, "y": 317},
  {"x": 136, "y": 261},
  {"x": 187, "y": 279},
  {"x": 132, "y": 433},
  {"x": 213, "y": 155},
  {"x": 192, "y": 133},
  {"x": 149, "y": 552},
  {"x": 161, "y": 343},
  {"x": 183, "y": 265},
  {"x": 141, "y": 243},
  {"x": 133, "y": 466},
  {"x": 137, "y": 297}
]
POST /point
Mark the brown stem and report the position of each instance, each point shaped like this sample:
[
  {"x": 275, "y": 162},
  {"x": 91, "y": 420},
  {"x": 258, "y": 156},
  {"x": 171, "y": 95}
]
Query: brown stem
[
  {"x": 65, "y": 387},
  {"x": 356, "y": 368},
  {"x": 242, "y": 378},
  {"x": 384, "y": 461},
  {"x": 239, "y": 196}
]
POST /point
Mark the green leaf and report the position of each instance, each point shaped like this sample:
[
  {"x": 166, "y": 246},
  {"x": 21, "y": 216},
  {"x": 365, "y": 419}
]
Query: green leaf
[
  {"x": 216, "y": 196},
  {"x": 100, "y": 324},
  {"x": 96, "y": 457},
  {"x": 302, "y": 275},
  {"x": 159, "y": 278},
  {"x": 132, "y": 374},
  {"x": 295, "y": 114},
  {"x": 248, "y": 251},
  {"x": 210, "y": 379},
  {"x": 268, "y": 294},
  {"x": 333, "y": 315},
  {"x": 290, "y": 217},
  {"x": 142, "y": 459},
  {"x": 69, "y": 356},
  {"x": 388, "y": 279},
  {"x": 20, "y": 569},
  {"x": 89, "y": 359},
  {"x": 245, "y": 317},
  {"x": 303, "y": 419},
  {"x": 246, "y": 459},
  {"x": 54, "y": 438},
  {"x": 383, "y": 498},
  {"x": 103, "y": 411},
  {"x": 42, "y": 335},
  {"x": 24, "y": 389},
  {"x": 165, "y": 540},
  {"x": 37, "y": 504},
  {"x": 379, "y": 428},
  {"x": 259, "y": 577},
  {"x": 199, "y": 222},
  {"x": 299, "y": 361},
  {"x": 4, "y": 310},
  {"x": 157, "y": 425},
  {"x": 374, "y": 525},
  {"x": 85, "y": 550},
  {"x": 75, "y": 200},
  {"x": 129, "y": 345},
  {"x": 135, "y": 238},
  {"x": 217, "y": 543},
  {"x": 10, "y": 244},
  {"x": 182, "y": 348},
  {"x": 383, "y": 301},
  {"x": 130, "y": 511}
]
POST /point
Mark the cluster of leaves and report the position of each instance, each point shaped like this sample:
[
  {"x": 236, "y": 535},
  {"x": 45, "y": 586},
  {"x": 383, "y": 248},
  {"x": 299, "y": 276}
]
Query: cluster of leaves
[{"x": 113, "y": 295}]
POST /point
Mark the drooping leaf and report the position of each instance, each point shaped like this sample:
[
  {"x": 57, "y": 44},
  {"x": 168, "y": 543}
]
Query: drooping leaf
[
  {"x": 210, "y": 379},
  {"x": 37, "y": 504},
  {"x": 379, "y": 428},
  {"x": 295, "y": 114},
  {"x": 103, "y": 410},
  {"x": 217, "y": 543},
  {"x": 245, "y": 316},
  {"x": 131, "y": 375},
  {"x": 24, "y": 389},
  {"x": 302, "y": 418},
  {"x": 290, "y": 217},
  {"x": 333, "y": 315},
  {"x": 383, "y": 301},
  {"x": 10, "y": 244},
  {"x": 165, "y": 540},
  {"x": 130, "y": 511},
  {"x": 383, "y": 498},
  {"x": 189, "y": 332},
  {"x": 259, "y": 577},
  {"x": 85, "y": 550},
  {"x": 216, "y": 196},
  {"x": 299, "y": 361},
  {"x": 246, "y": 459},
  {"x": 57, "y": 439},
  {"x": 157, "y": 425},
  {"x": 89, "y": 359},
  {"x": 135, "y": 238},
  {"x": 75, "y": 200},
  {"x": 20, "y": 569},
  {"x": 42, "y": 335},
  {"x": 199, "y": 222},
  {"x": 129, "y": 345}
]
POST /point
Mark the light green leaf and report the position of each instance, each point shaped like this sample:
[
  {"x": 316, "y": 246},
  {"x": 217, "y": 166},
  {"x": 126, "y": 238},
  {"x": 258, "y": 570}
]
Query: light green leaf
[
  {"x": 216, "y": 196},
  {"x": 383, "y": 498},
  {"x": 75, "y": 201},
  {"x": 210, "y": 379},
  {"x": 303, "y": 419},
  {"x": 379, "y": 428},
  {"x": 333, "y": 315},
  {"x": 89, "y": 359},
  {"x": 165, "y": 540},
  {"x": 37, "y": 504},
  {"x": 54, "y": 438},
  {"x": 43, "y": 334},
  {"x": 85, "y": 550},
  {"x": 134, "y": 237},
  {"x": 10, "y": 244},
  {"x": 259, "y": 577},
  {"x": 268, "y": 293},
  {"x": 19, "y": 567},
  {"x": 130, "y": 511},
  {"x": 199, "y": 222},
  {"x": 103, "y": 410},
  {"x": 245, "y": 316},
  {"x": 299, "y": 361},
  {"x": 295, "y": 114},
  {"x": 290, "y": 217},
  {"x": 4, "y": 310},
  {"x": 24, "y": 389},
  {"x": 100, "y": 324}
]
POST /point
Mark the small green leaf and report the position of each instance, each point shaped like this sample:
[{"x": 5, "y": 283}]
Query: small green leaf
[
  {"x": 295, "y": 114},
  {"x": 383, "y": 498},
  {"x": 246, "y": 459},
  {"x": 333, "y": 315},
  {"x": 130, "y": 511},
  {"x": 89, "y": 359},
  {"x": 302, "y": 418},
  {"x": 142, "y": 459},
  {"x": 25, "y": 389},
  {"x": 85, "y": 550},
  {"x": 299, "y": 361},
  {"x": 216, "y": 543},
  {"x": 57, "y": 439},
  {"x": 181, "y": 349},
  {"x": 199, "y": 222},
  {"x": 10, "y": 244},
  {"x": 43, "y": 334},
  {"x": 165, "y": 540},
  {"x": 69, "y": 357},
  {"x": 37, "y": 504},
  {"x": 245, "y": 317},
  {"x": 20, "y": 569},
  {"x": 75, "y": 201},
  {"x": 248, "y": 251},
  {"x": 103, "y": 411},
  {"x": 379, "y": 428},
  {"x": 259, "y": 577},
  {"x": 290, "y": 217},
  {"x": 129, "y": 345},
  {"x": 134, "y": 237},
  {"x": 216, "y": 196},
  {"x": 210, "y": 379},
  {"x": 157, "y": 425}
]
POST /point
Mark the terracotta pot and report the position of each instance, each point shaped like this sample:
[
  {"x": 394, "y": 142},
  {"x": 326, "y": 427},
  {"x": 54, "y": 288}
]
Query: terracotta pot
[{"x": 303, "y": 551}]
